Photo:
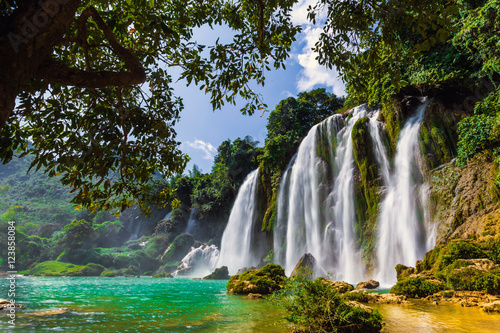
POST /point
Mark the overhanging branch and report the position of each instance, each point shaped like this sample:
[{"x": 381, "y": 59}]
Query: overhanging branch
[{"x": 56, "y": 72}]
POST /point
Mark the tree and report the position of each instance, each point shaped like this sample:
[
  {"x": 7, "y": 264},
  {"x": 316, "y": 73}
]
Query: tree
[{"x": 93, "y": 83}]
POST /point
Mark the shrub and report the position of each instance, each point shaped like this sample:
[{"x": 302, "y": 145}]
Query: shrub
[{"x": 314, "y": 306}]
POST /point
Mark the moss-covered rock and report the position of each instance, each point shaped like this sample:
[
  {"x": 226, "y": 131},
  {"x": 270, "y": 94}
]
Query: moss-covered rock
[
  {"x": 403, "y": 271},
  {"x": 57, "y": 268},
  {"x": 366, "y": 187},
  {"x": 163, "y": 275},
  {"x": 465, "y": 200},
  {"x": 178, "y": 249},
  {"x": 438, "y": 134},
  {"x": 266, "y": 280},
  {"x": 305, "y": 267},
  {"x": 461, "y": 265},
  {"x": 416, "y": 287},
  {"x": 221, "y": 273}
]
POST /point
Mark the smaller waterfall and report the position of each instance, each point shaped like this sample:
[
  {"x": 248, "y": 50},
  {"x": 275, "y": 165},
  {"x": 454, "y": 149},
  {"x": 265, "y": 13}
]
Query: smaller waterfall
[
  {"x": 280, "y": 230},
  {"x": 136, "y": 227},
  {"x": 199, "y": 262},
  {"x": 192, "y": 221},
  {"x": 237, "y": 239},
  {"x": 402, "y": 232}
]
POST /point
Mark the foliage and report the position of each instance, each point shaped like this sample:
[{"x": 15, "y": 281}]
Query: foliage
[
  {"x": 476, "y": 134},
  {"x": 315, "y": 306},
  {"x": 416, "y": 287},
  {"x": 98, "y": 102}
]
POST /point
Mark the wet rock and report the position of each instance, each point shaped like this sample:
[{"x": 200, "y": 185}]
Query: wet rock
[
  {"x": 354, "y": 304},
  {"x": 491, "y": 307},
  {"x": 371, "y": 284},
  {"x": 221, "y": 273},
  {"x": 387, "y": 299},
  {"x": 254, "y": 296},
  {"x": 46, "y": 313},
  {"x": 403, "y": 271},
  {"x": 245, "y": 269},
  {"x": 305, "y": 267},
  {"x": 341, "y": 286},
  {"x": 5, "y": 304}
]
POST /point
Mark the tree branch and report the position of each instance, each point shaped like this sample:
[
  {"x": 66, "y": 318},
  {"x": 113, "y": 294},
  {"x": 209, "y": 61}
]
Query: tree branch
[{"x": 56, "y": 72}]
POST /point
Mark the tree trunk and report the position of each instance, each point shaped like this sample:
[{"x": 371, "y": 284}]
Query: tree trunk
[{"x": 27, "y": 39}]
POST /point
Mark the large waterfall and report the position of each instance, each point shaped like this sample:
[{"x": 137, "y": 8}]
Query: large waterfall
[
  {"x": 237, "y": 245},
  {"x": 403, "y": 235},
  {"x": 316, "y": 207},
  {"x": 316, "y": 202}
]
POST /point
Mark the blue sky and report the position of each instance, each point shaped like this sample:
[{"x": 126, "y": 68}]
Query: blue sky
[{"x": 202, "y": 130}]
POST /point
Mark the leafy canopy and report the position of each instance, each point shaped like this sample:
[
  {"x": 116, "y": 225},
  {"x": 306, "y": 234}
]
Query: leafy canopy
[{"x": 100, "y": 109}]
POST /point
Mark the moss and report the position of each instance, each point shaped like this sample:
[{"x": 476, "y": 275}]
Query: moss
[
  {"x": 391, "y": 115},
  {"x": 57, "y": 268},
  {"x": 438, "y": 134},
  {"x": 266, "y": 280},
  {"x": 470, "y": 278},
  {"x": 179, "y": 248},
  {"x": 111, "y": 273},
  {"x": 366, "y": 188},
  {"x": 416, "y": 287}
]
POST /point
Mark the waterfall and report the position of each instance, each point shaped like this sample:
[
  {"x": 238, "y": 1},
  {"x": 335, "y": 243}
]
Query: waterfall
[
  {"x": 136, "y": 227},
  {"x": 280, "y": 229},
  {"x": 316, "y": 201},
  {"x": 340, "y": 231},
  {"x": 199, "y": 262},
  {"x": 192, "y": 221},
  {"x": 236, "y": 245},
  {"x": 402, "y": 233}
]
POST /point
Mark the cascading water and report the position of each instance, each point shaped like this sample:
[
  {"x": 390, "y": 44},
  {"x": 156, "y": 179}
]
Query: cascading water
[
  {"x": 191, "y": 221},
  {"x": 318, "y": 192},
  {"x": 199, "y": 261},
  {"x": 403, "y": 236},
  {"x": 280, "y": 229},
  {"x": 236, "y": 245}
]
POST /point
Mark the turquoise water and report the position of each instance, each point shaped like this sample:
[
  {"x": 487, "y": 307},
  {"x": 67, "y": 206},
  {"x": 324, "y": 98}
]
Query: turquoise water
[
  {"x": 143, "y": 304},
  {"x": 95, "y": 304}
]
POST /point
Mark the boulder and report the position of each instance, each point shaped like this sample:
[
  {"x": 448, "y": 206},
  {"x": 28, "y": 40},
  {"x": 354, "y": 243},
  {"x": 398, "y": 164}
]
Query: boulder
[
  {"x": 266, "y": 280},
  {"x": 341, "y": 286},
  {"x": 372, "y": 284},
  {"x": 5, "y": 304},
  {"x": 254, "y": 296},
  {"x": 245, "y": 269},
  {"x": 305, "y": 267},
  {"x": 403, "y": 271},
  {"x": 221, "y": 273}
]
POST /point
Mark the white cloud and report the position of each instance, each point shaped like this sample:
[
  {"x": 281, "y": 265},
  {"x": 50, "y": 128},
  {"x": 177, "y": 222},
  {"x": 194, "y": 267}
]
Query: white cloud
[
  {"x": 312, "y": 73},
  {"x": 206, "y": 147}
]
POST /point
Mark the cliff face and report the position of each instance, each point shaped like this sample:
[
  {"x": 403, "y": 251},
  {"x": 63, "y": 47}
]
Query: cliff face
[{"x": 465, "y": 200}]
